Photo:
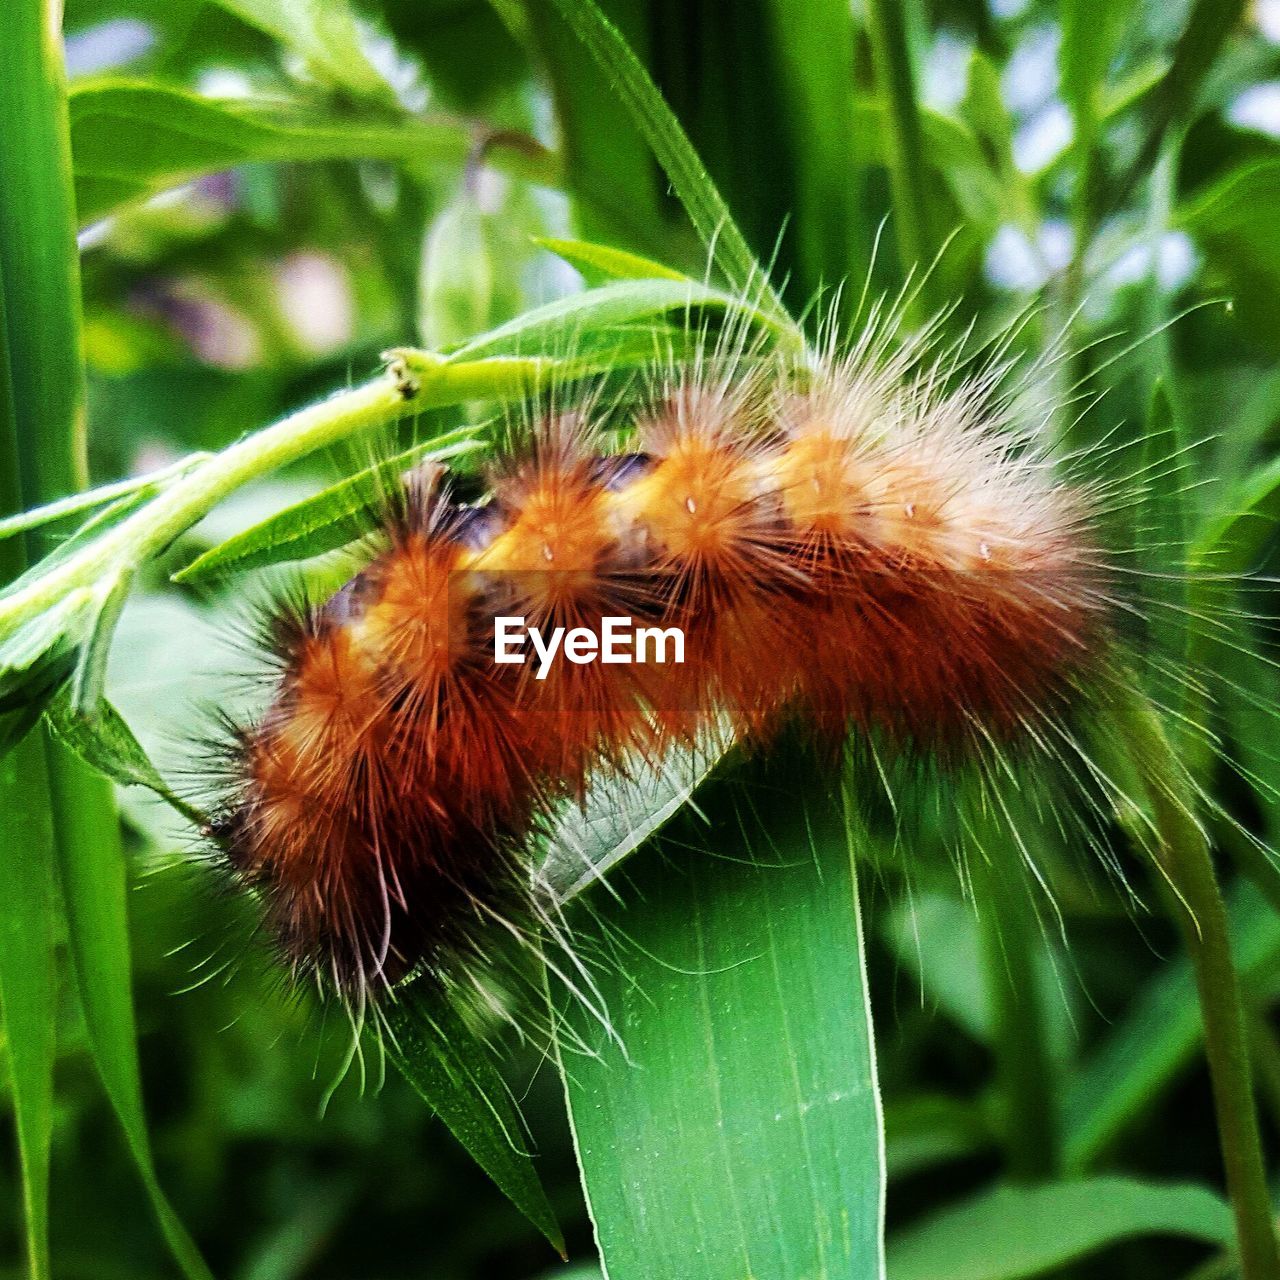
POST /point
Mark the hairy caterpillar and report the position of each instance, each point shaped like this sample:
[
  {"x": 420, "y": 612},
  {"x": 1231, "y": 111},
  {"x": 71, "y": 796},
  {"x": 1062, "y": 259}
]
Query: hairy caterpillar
[{"x": 859, "y": 544}]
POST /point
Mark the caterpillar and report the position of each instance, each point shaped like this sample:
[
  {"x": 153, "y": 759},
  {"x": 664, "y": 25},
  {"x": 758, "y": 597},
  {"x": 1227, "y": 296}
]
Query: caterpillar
[{"x": 859, "y": 543}]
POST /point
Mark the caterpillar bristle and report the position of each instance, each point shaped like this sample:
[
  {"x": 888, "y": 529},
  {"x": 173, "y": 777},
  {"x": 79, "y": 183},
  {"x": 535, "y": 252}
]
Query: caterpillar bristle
[{"x": 863, "y": 543}]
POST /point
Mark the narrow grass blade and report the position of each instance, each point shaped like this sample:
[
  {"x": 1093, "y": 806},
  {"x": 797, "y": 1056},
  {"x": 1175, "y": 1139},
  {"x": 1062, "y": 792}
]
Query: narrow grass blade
[
  {"x": 1014, "y": 1234},
  {"x": 1147, "y": 1050},
  {"x": 656, "y": 121},
  {"x": 28, "y": 928},
  {"x": 816, "y": 56},
  {"x": 325, "y": 521},
  {"x": 1209, "y": 23},
  {"x": 610, "y": 306},
  {"x": 28, "y": 990},
  {"x": 41, "y": 287},
  {"x": 895, "y": 76},
  {"x": 79, "y": 503},
  {"x": 611, "y": 264},
  {"x": 451, "y": 1067},
  {"x": 131, "y": 139},
  {"x": 91, "y": 864},
  {"x": 721, "y": 1076}
]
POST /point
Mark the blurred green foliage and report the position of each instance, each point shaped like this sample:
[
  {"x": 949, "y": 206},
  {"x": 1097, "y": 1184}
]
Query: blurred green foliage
[{"x": 339, "y": 181}]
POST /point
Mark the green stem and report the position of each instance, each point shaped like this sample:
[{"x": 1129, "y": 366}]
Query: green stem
[
  {"x": 891, "y": 54},
  {"x": 1180, "y": 853},
  {"x": 384, "y": 400}
]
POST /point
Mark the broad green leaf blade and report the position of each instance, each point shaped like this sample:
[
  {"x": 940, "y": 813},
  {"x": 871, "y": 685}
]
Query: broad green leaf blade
[
  {"x": 452, "y": 1068},
  {"x": 94, "y": 887},
  {"x": 719, "y": 1068},
  {"x": 1016, "y": 1233},
  {"x": 133, "y": 139},
  {"x": 656, "y": 121},
  {"x": 28, "y": 985},
  {"x": 327, "y": 520}
]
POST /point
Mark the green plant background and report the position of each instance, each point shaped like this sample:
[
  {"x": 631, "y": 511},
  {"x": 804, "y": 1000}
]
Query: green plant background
[{"x": 344, "y": 181}]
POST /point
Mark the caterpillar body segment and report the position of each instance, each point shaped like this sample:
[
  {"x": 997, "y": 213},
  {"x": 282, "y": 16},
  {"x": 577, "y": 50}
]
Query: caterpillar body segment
[{"x": 857, "y": 550}]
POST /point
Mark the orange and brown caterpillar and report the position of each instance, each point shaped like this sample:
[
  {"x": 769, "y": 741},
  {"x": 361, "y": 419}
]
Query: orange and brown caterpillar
[{"x": 856, "y": 547}]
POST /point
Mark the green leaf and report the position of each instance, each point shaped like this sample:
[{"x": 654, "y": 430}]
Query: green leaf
[
  {"x": 815, "y": 64},
  {"x": 719, "y": 1064},
  {"x": 28, "y": 984},
  {"x": 1144, "y": 1053},
  {"x": 94, "y": 887},
  {"x": 619, "y": 814},
  {"x": 924, "y": 1130},
  {"x": 452, "y": 1068},
  {"x": 132, "y": 139},
  {"x": 78, "y": 503},
  {"x": 28, "y": 934},
  {"x": 327, "y": 520},
  {"x": 41, "y": 652},
  {"x": 104, "y": 741},
  {"x": 42, "y": 293},
  {"x": 1234, "y": 223},
  {"x": 1232, "y": 543},
  {"x": 1013, "y": 1233},
  {"x": 325, "y": 34},
  {"x": 895, "y": 82},
  {"x": 1163, "y": 520},
  {"x": 1209, "y": 23},
  {"x": 458, "y": 275},
  {"x": 954, "y": 156},
  {"x": 655, "y": 120},
  {"x": 89, "y": 677},
  {"x": 1090, "y": 36},
  {"x": 612, "y": 264},
  {"x": 555, "y": 327}
]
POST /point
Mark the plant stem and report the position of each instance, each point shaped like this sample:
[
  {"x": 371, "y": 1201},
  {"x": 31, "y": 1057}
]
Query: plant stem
[
  {"x": 377, "y": 403},
  {"x": 1181, "y": 854}
]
